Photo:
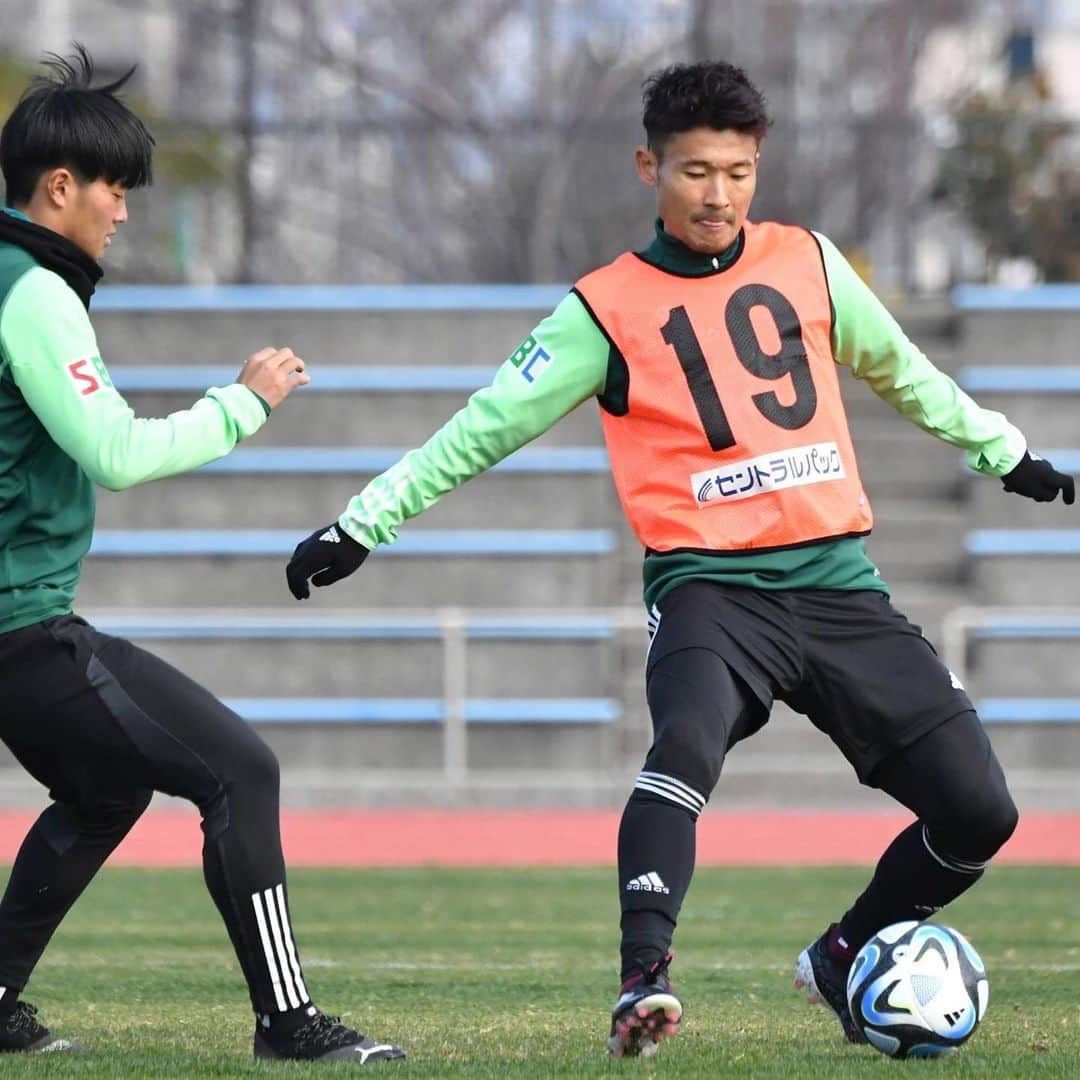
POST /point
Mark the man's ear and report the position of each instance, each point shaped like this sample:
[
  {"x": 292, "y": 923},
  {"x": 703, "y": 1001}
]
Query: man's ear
[
  {"x": 59, "y": 184},
  {"x": 648, "y": 166}
]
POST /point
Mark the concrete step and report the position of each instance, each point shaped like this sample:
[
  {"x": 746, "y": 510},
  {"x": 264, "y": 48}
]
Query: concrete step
[
  {"x": 319, "y": 336},
  {"x": 576, "y": 493},
  {"x": 1010, "y": 335},
  {"x": 1035, "y": 747},
  {"x": 386, "y": 580},
  {"x": 367, "y": 786},
  {"x": 991, "y": 506},
  {"x": 928, "y": 604},
  {"x": 1025, "y": 567},
  {"x": 397, "y": 766},
  {"x": 899, "y": 461},
  {"x": 391, "y": 666},
  {"x": 918, "y": 540},
  {"x": 1021, "y": 653}
]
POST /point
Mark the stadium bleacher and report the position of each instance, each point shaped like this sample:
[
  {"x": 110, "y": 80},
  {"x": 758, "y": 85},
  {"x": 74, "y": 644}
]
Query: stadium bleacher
[{"x": 500, "y": 637}]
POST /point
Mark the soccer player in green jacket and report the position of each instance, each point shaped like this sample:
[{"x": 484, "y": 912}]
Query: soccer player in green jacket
[
  {"x": 100, "y": 723},
  {"x": 713, "y": 353}
]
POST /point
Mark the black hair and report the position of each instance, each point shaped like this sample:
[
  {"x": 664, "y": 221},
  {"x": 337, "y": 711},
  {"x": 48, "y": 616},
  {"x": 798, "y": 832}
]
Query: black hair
[
  {"x": 62, "y": 120},
  {"x": 710, "y": 94}
]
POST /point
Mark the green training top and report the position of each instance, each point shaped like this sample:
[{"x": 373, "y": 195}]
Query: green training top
[
  {"x": 64, "y": 427},
  {"x": 565, "y": 360}
]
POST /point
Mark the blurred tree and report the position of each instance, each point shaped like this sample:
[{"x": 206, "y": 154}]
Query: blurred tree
[
  {"x": 1012, "y": 171},
  {"x": 846, "y": 142},
  {"x": 441, "y": 140},
  {"x": 14, "y": 74}
]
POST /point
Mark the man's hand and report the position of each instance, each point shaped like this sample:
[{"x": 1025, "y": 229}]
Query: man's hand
[
  {"x": 273, "y": 374},
  {"x": 326, "y": 556},
  {"x": 1039, "y": 480}
]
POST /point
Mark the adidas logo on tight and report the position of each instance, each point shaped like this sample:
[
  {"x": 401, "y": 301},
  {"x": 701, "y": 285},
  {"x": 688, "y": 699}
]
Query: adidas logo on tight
[
  {"x": 650, "y": 882},
  {"x": 331, "y": 535}
]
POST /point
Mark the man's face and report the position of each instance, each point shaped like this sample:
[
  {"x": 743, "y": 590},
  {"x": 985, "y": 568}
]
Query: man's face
[
  {"x": 90, "y": 213},
  {"x": 704, "y": 180}
]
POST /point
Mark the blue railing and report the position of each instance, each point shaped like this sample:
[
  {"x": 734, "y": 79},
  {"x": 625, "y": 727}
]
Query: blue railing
[
  {"x": 1059, "y": 297},
  {"x": 328, "y": 297},
  {"x": 425, "y": 710},
  {"x": 195, "y": 378},
  {"x": 418, "y": 542},
  {"x": 373, "y": 459}
]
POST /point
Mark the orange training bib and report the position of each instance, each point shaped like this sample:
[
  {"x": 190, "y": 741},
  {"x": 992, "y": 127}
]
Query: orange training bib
[{"x": 735, "y": 435}]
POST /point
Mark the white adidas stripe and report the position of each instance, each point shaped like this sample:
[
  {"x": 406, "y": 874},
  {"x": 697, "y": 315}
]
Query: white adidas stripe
[
  {"x": 283, "y": 960},
  {"x": 290, "y": 945},
  {"x": 672, "y": 795},
  {"x": 675, "y": 782},
  {"x": 656, "y": 880},
  {"x": 675, "y": 785},
  {"x": 268, "y": 951},
  {"x": 279, "y": 948},
  {"x": 653, "y": 627}
]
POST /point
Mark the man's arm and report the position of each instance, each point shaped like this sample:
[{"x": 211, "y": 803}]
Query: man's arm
[
  {"x": 49, "y": 345},
  {"x": 563, "y": 362},
  {"x": 868, "y": 339}
]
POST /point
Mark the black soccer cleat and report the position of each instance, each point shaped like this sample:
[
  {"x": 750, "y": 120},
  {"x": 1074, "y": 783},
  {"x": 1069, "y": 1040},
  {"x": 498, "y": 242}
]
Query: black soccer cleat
[
  {"x": 825, "y": 980},
  {"x": 20, "y": 1032},
  {"x": 647, "y": 1012},
  {"x": 321, "y": 1038}
]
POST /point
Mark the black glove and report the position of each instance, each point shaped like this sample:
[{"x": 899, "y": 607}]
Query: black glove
[
  {"x": 329, "y": 554},
  {"x": 1039, "y": 480}
]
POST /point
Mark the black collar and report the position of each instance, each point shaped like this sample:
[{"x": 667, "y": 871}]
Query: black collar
[{"x": 54, "y": 252}]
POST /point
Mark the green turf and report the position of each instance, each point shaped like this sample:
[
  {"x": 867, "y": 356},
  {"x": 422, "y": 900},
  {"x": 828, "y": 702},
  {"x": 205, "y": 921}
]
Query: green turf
[{"x": 511, "y": 974}]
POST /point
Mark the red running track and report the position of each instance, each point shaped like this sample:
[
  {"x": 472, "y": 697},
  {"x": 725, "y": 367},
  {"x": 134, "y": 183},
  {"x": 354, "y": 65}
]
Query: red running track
[{"x": 571, "y": 838}]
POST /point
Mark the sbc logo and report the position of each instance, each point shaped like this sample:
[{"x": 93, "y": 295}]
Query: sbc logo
[
  {"x": 89, "y": 375},
  {"x": 531, "y": 359}
]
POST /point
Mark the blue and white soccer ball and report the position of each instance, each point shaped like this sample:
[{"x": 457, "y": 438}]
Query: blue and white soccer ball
[{"x": 917, "y": 990}]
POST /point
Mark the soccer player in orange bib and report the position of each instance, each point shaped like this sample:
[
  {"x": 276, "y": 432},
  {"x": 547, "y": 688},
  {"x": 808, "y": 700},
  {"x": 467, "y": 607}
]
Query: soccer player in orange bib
[{"x": 714, "y": 355}]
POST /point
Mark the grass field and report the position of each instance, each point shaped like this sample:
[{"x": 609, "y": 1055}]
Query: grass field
[{"x": 510, "y": 973}]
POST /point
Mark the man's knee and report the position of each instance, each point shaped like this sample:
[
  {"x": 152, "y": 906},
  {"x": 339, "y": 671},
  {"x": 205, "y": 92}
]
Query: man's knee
[
  {"x": 244, "y": 762},
  {"x": 102, "y": 818},
  {"x": 999, "y": 821},
  {"x": 250, "y": 788},
  {"x": 261, "y": 770},
  {"x": 978, "y": 831},
  {"x": 685, "y": 748}
]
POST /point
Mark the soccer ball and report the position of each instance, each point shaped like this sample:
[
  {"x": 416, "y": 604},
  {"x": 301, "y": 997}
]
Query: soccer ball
[{"x": 917, "y": 990}]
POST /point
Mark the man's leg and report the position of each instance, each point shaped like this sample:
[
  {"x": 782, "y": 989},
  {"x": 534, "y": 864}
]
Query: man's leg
[
  {"x": 196, "y": 748},
  {"x": 60, "y": 855},
  {"x": 158, "y": 729},
  {"x": 699, "y": 708},
  {"x": 58, "y": 858},
  {"x": 951, "y": 779}
]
